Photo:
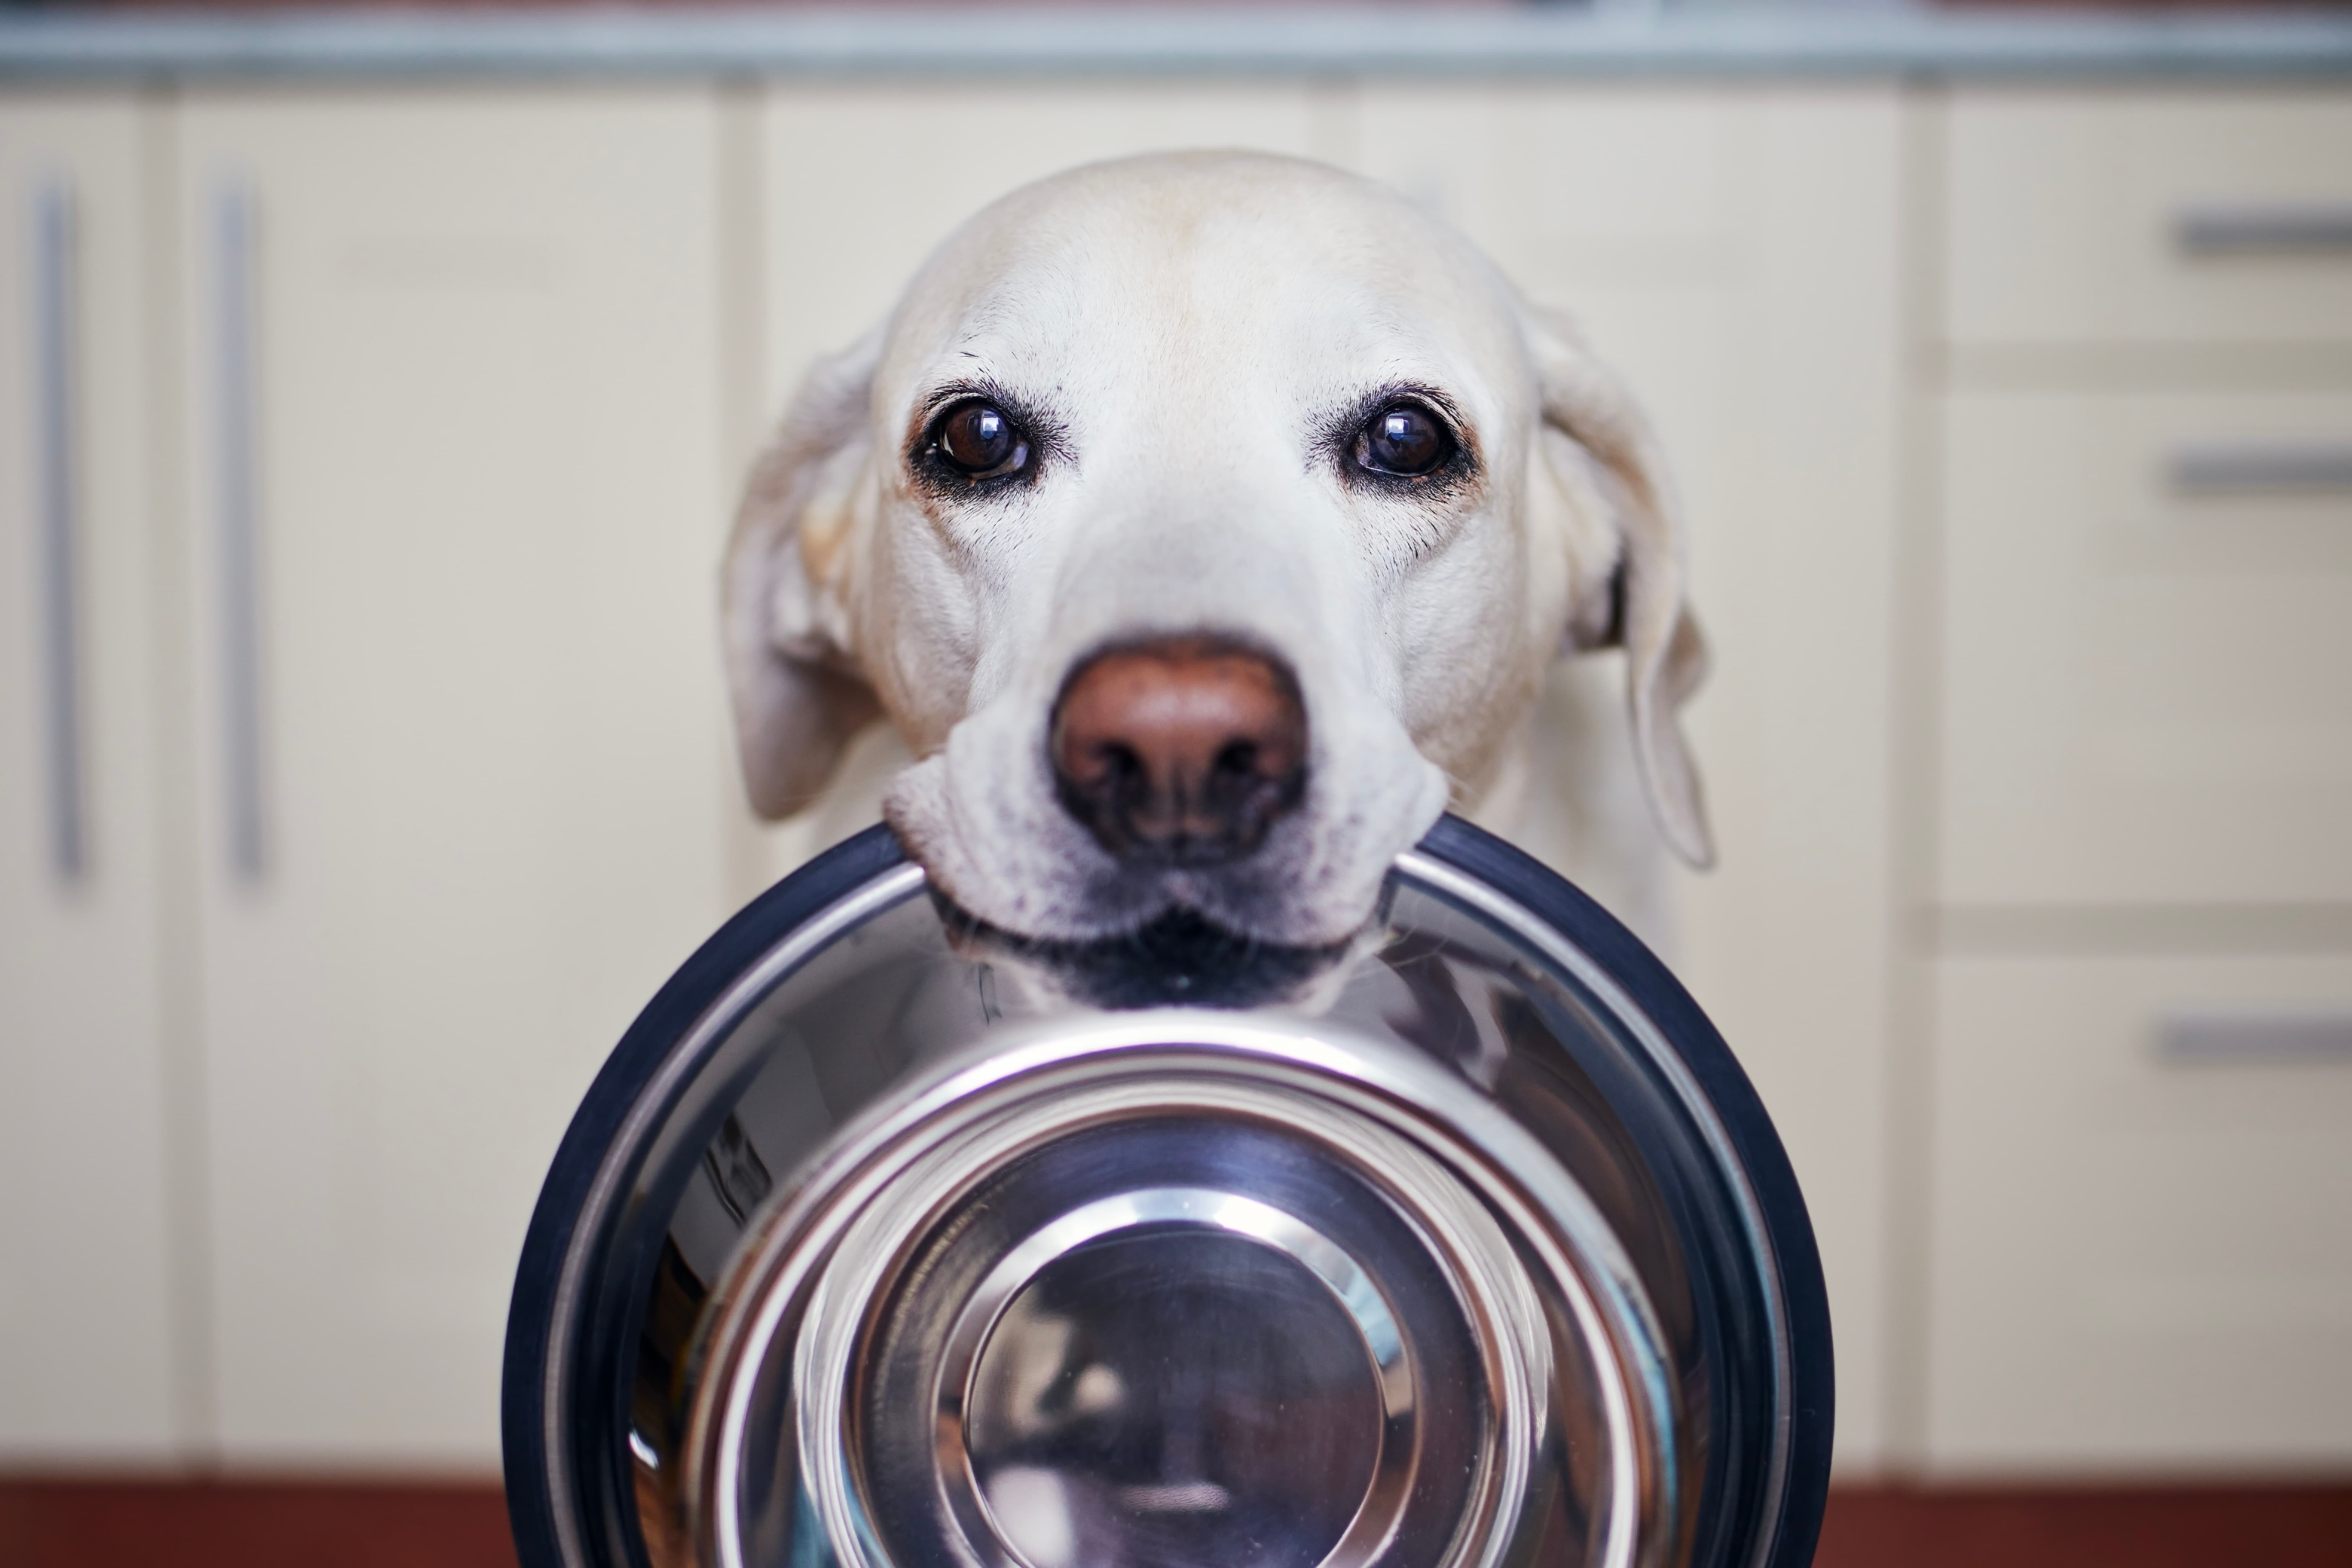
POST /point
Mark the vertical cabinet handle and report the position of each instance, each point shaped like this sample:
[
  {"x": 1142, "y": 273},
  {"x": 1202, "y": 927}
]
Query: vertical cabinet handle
[
  {"x": 237, "y": 399},
  {"x": 56, "y": 449}
]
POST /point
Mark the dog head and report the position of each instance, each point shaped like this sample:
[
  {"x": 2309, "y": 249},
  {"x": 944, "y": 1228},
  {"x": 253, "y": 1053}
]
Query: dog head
[{"x": 1205, "y": 522}]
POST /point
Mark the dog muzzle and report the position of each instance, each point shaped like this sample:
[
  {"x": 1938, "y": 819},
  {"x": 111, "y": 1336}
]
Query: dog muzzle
[{"x": 878, "y": 1244}]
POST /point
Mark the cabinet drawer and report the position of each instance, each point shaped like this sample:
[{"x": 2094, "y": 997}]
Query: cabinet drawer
[
  {"x": 2177, "y": 217},
  {"x": 2145, "y": 648},
  {"x": 2142, "y": 1215}
]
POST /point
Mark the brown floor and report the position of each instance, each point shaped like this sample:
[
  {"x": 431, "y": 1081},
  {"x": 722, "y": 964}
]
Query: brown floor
[
  {"x": 246, "y": 1524},
  {"x": 2217, "y": 1527}
]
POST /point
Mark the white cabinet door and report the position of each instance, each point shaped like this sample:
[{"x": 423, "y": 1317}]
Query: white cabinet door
[
  {"x": 459, "y": 726},
  {"x": 2142, "y": 1222},
  {"x": 860, "y": 184},
  {"x": 1734, "y": 255},
  {"x": 2145, "y": 695},
  {"x": 87, "y": 1290}
]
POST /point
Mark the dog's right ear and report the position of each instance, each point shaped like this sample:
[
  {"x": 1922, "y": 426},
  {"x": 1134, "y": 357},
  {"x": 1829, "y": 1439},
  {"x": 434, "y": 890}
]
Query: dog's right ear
[{"x": 800, "y": 697}]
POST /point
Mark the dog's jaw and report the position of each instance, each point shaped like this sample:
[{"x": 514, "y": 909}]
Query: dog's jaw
[{"x": 995, "y": 842}]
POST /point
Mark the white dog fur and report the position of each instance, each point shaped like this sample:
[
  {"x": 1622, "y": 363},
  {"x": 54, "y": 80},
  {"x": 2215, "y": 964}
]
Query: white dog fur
[{"x": 1192, "y": 333}]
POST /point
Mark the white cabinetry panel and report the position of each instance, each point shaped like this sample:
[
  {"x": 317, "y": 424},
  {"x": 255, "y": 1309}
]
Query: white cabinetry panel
[
  {"x": 1733, "y": 255},
  {"x": 2150, "y": 216},
  {"x": 861, "y": 183},
  {"x": 87, "y": 1290},
  {"x": 2146, "y": 698},
  {"x": 2140, "y": 1262},
  {"x": 487, "y": 502}
]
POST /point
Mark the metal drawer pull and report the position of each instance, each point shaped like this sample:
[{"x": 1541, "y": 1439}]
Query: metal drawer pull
[
  {"x": 55, "y": 314},
  {"x": 2224, "y": 467},
  {"x": 2192, "y": 1038},
  {"x": 2251, "y": 229},
  {"x": 239, "y": 524}
]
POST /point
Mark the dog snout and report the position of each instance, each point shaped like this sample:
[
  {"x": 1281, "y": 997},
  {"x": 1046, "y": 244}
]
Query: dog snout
[{"x": 1180, "y": 751}]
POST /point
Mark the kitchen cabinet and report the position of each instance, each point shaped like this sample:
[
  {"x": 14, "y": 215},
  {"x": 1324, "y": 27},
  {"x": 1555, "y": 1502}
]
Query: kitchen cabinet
[
  {"x": 2143, "y": 1214},
  {"x": 1733, "y": 255},
  {"x": 404, "y": 426},
  {"x": 90, "y": 1288},
  {"x": 2150, "y": 218},
  {"x": 2145, "y": 700},
  {"x": 2140, "y": 464},
  {"x": 454, "y": 492}
]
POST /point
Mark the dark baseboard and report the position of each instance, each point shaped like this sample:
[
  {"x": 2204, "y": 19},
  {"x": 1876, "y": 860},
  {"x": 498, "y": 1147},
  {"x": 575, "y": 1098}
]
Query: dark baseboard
[
  {"x": 73, "y": 1523},
  {"x": 2107, "y": 1526},
  {"x": 93, "y": 1524}
]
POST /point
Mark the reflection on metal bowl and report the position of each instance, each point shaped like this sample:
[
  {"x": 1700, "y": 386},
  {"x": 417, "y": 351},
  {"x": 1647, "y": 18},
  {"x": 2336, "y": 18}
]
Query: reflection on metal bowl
[{"x": 884, "y": 1241}]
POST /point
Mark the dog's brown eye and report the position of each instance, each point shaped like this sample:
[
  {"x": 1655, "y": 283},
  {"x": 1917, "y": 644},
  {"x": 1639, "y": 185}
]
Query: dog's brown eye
[
  {"x": 1405, "y": 439},
  {"x": 979, "y": 439}
]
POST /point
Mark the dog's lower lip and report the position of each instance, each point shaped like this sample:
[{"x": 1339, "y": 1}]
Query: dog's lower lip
[{"x": 1181, "y": 956}]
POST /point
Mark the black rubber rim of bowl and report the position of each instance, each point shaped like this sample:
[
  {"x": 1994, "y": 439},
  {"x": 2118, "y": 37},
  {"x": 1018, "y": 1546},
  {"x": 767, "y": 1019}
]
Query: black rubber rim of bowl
[{"x": 774, "y": 914}]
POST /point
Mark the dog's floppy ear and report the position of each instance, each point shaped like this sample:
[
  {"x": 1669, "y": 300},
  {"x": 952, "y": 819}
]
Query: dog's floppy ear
[
  {"x": 1599, "y": 450},
  {"x": 800, "y": 698}
]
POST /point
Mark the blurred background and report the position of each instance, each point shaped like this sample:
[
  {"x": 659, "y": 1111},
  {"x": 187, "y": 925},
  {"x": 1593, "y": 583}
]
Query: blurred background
[{"x": 373, "y": 390}]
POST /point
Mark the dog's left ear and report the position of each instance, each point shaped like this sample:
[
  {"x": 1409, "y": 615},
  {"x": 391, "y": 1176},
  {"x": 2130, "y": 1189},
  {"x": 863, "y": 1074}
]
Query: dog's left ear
[
  {"x": 1627, "y": 574},
  {"x": 800, "y": 697}
]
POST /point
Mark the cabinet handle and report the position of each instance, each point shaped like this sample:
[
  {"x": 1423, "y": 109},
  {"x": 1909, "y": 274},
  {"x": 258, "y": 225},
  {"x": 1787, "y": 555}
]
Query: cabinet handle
[
  {"x": 55, "y": 315},
  {"x": 2255, "y": 228},
  {"x": 2196, "y": 1038},
  {"x": 239, "y": 524},
  {"x": 2222, "y": 467}
]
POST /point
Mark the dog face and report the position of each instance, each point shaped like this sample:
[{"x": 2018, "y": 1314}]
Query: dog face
[{"x": 1204, "y": 522}]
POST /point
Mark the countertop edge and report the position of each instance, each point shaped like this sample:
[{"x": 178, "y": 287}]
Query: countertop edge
[{"x": 1341, "y": 42}]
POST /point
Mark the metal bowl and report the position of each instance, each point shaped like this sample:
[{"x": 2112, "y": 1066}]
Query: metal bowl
[{"x": 885, "y": 1241}]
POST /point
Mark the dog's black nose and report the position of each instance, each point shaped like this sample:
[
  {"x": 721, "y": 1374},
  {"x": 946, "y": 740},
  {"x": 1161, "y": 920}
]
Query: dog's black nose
[{"x": 1180, "y": 751}]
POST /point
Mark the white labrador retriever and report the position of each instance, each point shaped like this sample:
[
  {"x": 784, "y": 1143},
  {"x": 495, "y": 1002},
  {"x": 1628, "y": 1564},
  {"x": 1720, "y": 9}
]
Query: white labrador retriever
[{"x": 1205, "y": 523}]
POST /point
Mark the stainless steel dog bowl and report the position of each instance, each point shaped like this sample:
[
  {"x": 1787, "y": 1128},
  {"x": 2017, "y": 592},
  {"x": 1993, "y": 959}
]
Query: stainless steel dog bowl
[{"x": 883, "y": 1241}]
